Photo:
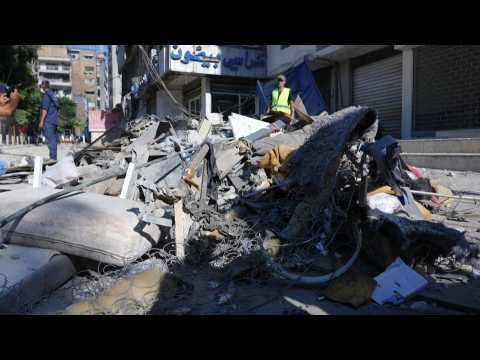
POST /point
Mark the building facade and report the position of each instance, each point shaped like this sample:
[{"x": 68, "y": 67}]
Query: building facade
[
  {"x": 102, "y": 82},
  {"x": 419, "y": 91},
  {"x": 114, "y": 77},
  {"x": 84, "y": 80},
  {"x": 54, "y": 65},
  {"x": 209, "y": 80}
]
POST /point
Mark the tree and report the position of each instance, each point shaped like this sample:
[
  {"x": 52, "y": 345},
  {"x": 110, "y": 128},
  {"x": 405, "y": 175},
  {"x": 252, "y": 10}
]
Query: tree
[
  {"x": 67, "y": 115},
  {"x": 16, "y": 65},
  {"x": 29, "y": 108},
  {"x": 16, "y": 70}
]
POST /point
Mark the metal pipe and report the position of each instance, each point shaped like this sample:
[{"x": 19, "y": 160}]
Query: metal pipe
[{"x": 459, "y": 197}]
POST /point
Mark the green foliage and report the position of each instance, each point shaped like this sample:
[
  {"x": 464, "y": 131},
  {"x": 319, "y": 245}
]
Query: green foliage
[
  {"x": 67, "y": 116},
  {"x": 21, "y": 118},
  {"x": 29, "y": 108},
  {"x": 16, "y": 64},
  {"x": 16, "y": 70}
]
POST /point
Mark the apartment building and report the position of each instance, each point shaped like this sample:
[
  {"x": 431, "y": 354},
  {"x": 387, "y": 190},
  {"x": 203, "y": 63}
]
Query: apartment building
[
  {"x": 84, "y": 80},
  {"x": 54, "y": 64}
]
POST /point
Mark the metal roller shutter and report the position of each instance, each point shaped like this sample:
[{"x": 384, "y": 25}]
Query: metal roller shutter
[{"x": 379, "y": 85}]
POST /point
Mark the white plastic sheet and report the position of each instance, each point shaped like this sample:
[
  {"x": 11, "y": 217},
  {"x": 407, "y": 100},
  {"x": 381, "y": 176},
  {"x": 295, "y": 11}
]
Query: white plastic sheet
[
  {"x": 384, "y": 202},
  {"x": 62, "y": 172},
  {"x": 398, "y": 282}
]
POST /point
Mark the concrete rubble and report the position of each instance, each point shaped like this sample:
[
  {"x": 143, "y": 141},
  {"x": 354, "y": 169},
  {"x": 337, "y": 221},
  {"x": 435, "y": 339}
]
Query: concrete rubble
[{"x": 147, "y": 215}]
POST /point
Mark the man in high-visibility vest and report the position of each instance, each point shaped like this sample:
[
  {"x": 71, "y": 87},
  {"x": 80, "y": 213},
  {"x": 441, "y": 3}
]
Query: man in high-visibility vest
[{"x": 282, "y": 103}]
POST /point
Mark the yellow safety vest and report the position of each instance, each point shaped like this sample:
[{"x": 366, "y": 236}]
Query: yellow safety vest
[{"x": 280, "y": 101}]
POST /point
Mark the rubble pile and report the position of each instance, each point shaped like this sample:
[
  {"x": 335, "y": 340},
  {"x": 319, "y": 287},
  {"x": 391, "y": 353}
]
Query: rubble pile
[{"x": 313, "y": 204}]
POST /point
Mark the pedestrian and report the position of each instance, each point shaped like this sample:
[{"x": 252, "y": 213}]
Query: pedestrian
[{"x": 48, "y": 118}]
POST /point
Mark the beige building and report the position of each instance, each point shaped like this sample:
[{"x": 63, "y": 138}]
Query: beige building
[
  {"x": 54, "y": 65},
  {"x": 84, "y": 80}
]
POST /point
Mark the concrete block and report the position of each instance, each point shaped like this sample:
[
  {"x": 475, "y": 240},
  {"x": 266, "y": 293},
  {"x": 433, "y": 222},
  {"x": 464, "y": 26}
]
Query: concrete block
[
  {"x": 98, "y": 227},
  {"x": 458, "y": 162},
  {"x": 457, "y": 145},
  {"x": 28, "y": 274}
]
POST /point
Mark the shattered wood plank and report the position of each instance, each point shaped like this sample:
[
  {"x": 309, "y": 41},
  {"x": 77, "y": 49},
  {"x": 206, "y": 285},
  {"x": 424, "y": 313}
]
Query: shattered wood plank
[
  {"x": 196, "y": 161},
  {"x": 183, "y": 222}
]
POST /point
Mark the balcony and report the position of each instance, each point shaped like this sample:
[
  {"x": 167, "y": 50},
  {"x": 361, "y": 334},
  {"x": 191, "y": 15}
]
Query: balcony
[
  {"x": 60, "y": 83},
  {"x": 48, "y": 69},
  {"x": 43, "y": 59}
]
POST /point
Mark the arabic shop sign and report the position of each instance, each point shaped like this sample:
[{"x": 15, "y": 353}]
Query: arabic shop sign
[{"x": 217, "y": 60}]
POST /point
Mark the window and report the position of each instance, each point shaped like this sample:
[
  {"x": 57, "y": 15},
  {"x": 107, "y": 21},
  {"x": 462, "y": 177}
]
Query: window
[
  {"x": 89, "y": 68},
  {"x": 243, "y": 104},
  {"x": 194, "y": 105},
  {"x": 89, "y": 92},
  {"x": 88, "y": 57},
  {"x": 284, "y": 46}
]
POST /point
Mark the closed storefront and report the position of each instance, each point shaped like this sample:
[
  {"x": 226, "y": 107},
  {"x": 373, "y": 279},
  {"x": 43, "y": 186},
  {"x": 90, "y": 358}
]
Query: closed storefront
[
  {"x": 447, "y": 88},
  {"x": 378, "y": 84}
]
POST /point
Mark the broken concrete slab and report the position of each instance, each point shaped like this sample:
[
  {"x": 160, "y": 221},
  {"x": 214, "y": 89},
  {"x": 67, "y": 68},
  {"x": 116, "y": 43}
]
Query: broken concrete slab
[
  {"x": 28, "y": 274},
  {"x": 93, "y": 226}
]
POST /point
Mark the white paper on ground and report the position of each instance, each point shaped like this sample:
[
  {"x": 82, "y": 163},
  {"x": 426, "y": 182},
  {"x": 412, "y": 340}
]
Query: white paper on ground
[
  {"x": 243, "y": 126},
  {"x": 396, "y": 283}
]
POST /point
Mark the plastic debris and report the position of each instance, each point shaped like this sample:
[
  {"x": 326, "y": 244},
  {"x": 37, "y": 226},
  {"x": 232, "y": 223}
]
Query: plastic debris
[
  {"x": 397, "y": 283},
  {"x": 384, "y": 202}
]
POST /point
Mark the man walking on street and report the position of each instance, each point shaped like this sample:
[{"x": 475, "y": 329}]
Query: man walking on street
[{"x": 48, "y": 118}]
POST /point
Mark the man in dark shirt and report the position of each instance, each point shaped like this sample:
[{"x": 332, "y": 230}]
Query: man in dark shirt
[{"x": 48, "y": 118}]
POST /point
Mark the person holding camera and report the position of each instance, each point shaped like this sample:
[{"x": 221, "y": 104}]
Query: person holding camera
[{"x": 9, "y": 101}]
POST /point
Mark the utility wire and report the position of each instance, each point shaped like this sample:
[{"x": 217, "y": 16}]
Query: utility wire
[{"x": 157, "y": 78}]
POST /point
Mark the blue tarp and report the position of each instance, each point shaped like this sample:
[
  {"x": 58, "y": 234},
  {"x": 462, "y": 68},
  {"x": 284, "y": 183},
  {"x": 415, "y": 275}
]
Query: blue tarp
[{"x": 301, "y": 81}]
